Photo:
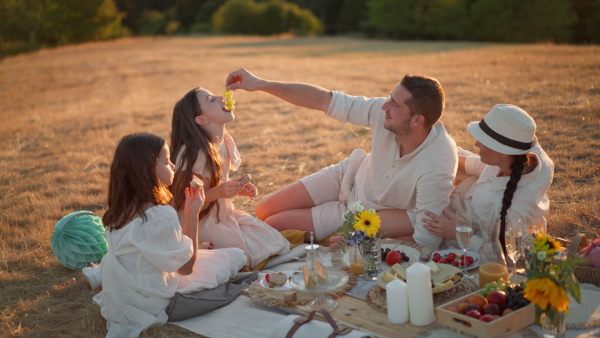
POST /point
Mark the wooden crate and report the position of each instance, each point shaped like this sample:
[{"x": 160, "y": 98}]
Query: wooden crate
[{"x": 471, "y": 326}]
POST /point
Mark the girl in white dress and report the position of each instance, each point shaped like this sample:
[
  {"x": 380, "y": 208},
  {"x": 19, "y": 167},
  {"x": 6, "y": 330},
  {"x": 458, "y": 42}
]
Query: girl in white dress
[
  {"x": 150, "y": 256},
  {"x": 509, "y": 179},
  {"x": 201, "y": 147}
]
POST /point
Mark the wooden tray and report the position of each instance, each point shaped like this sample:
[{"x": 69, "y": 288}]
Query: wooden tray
[{"x": 475, "y": 327}]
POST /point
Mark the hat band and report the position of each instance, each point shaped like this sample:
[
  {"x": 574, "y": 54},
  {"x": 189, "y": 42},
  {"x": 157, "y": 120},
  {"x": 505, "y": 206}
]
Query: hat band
[{"x": 502, "y": 139}]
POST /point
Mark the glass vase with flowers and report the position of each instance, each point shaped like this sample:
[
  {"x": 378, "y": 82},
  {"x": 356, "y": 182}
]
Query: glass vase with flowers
[
  {"x": 549, "y": 283},
  {"x": 360, "y": 231}
]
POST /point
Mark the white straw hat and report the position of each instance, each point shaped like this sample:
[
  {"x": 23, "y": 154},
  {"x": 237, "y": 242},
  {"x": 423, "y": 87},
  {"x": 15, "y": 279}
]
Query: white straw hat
[{"x": 506, "y": 129}]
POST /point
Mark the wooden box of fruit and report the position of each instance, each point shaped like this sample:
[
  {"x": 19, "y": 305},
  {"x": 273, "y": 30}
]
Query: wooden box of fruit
[{"x": 479, "y": 316}]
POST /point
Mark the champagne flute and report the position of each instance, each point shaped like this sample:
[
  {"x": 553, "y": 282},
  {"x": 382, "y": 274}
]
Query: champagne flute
[
  {"x": 514, "y": 246},
  {"x": 463, "y": 237}
]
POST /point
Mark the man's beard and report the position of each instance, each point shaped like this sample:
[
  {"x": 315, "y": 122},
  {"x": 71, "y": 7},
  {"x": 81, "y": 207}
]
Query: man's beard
[{"x": 401, "y": 130}]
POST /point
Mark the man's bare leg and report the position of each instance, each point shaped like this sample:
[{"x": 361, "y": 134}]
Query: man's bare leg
[
  {"x": 296, "y": 219},
  {"x": 293, "y": 197}
]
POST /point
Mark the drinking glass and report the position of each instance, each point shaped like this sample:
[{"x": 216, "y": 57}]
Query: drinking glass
[
  {"x": 463, "y": 237},
  {"x": 514, "y": 245}
]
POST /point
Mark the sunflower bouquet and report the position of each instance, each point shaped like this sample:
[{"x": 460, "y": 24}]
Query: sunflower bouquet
[
  {"x": 360, "y": 229},
  {"x": 549, "y": 280}
]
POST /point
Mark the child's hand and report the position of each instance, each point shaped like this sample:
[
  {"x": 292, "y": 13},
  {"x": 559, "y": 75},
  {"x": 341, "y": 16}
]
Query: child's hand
[
  {"x": 333, "y": 242},
  {"x": 249, "y": 190},
  {"x": 231, "y": 188},
  {"x": 194, "y": 199}
]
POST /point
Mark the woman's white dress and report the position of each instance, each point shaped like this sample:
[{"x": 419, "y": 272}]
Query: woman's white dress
[
  {"x": 480, "y": 195},
  {"x": 234, "y": 228},
  {"x": 139, "y": 275}
]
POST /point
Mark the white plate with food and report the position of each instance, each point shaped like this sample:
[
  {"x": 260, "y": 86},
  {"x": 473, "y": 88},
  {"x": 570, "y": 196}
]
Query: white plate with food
[
  {"x": 445, "y": 255},
  {"x": 445, "y": 279},
  {"x": 412, "y": 253},
  {"x": 277, "y": 278}
]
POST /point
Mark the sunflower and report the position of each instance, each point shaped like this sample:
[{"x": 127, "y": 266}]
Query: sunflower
[
  {"x": 547, "y": 244},
  {"x": 368, "y": 222},
  {"x": 544, "y": 292}
]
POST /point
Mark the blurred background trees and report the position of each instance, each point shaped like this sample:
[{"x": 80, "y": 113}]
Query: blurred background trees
[{"x": 27, "y": 25}]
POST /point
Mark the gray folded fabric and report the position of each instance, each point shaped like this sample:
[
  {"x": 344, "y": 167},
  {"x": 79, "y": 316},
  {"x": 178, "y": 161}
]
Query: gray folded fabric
[{"x": 184, "y": 306}]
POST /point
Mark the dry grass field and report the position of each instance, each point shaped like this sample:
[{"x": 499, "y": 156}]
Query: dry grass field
[{"x": 63, "y": 111}]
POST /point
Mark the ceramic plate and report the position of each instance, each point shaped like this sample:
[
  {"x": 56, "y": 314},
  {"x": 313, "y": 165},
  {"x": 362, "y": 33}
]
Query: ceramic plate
[
  {"x": 473, "y": 254},
  {"x": 445, "y": 272},
  {"x": 412, "y": 253},
  {"x": 286, "y": 286}
]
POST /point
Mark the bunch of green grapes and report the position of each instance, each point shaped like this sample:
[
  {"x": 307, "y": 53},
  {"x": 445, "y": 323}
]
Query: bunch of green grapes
[
  {"x": 500, "y": 285},
  {"x": 228, "y": 96}
]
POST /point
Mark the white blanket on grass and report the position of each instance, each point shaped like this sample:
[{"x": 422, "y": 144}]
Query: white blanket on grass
[{"x": 245, "y": 317}]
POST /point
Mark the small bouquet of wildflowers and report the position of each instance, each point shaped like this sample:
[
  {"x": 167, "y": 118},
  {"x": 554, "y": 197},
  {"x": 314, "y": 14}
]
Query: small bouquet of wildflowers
[
  {"x": 360, "y": 226},
  {"x": 549, "y": 279},
  {"x": 361, "y": 231}
]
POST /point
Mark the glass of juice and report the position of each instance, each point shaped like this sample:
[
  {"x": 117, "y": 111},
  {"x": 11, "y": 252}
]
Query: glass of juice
[
  {"x": 492, "y": 272},
  {"x": 492, "y": 264},
  {"x": 356, "y": 261}
]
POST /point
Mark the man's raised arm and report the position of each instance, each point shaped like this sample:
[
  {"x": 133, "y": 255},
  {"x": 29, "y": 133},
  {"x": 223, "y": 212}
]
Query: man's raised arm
[{"x": 299, "y": 94}]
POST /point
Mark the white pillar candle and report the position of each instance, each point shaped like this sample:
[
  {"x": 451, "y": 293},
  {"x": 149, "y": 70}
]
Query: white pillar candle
[
  {"x": 420, "y": 296},
  {"x": 397, "y": 302}
]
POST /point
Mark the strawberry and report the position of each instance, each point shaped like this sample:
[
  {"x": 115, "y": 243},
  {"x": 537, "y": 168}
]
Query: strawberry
[{"x": 268, "y": 278}]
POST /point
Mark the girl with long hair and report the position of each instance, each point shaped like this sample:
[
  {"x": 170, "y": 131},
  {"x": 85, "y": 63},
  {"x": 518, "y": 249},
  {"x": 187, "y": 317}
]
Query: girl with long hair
[
  {"x": 150, "y": 255},
  {"x": 201, "y": 147},
  {"x": 507, "y": 182}
]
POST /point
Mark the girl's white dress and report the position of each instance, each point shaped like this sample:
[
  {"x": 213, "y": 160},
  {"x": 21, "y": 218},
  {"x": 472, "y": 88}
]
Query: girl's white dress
[
  {"x": 234, "y": 228},
  {"x": 139, "y": 275}
]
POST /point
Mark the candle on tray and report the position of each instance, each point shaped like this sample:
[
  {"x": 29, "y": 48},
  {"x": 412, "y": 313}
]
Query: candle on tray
[
  {"x": 420, "y": 296},
  {"x": 397, "y": 302}
]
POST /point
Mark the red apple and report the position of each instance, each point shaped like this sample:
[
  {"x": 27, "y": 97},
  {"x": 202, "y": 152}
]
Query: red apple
[
  {"x": 491, "y": 309},
  {"x": 487, "y": 317},
  {"x": 497, "y": 297},
  {"x": 474, "y": 313},
  {"x": 393, "y": 257}
]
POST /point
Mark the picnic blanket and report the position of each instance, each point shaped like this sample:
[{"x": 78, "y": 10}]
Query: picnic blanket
[{"x": 245, "y": 317}]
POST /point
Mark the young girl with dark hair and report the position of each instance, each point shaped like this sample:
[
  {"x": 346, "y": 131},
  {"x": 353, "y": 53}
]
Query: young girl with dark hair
[
  {"x": 508, "y": 180},
  {"x": 150, "y": 255},
  {"x": 201, "y": 147}
]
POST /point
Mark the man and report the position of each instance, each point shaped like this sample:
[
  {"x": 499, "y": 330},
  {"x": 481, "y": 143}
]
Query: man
[{"x": 410, "y": 169}]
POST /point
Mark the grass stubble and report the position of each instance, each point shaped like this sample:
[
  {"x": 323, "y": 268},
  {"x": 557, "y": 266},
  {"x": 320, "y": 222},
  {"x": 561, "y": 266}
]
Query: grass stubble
[{"x": 64, "y": 110}]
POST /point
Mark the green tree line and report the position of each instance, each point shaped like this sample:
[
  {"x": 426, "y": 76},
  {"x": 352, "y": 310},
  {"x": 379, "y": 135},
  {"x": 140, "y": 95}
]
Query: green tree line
[{"x": 27, "y": 25}]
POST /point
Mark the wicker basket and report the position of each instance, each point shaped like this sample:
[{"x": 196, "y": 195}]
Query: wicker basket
[{"x": 585, "y": 274}]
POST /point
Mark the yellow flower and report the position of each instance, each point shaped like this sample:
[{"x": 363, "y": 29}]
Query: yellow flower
[
  {"x": 368, "y": 222},
  {"x": 546, "y": 244},
  {"x": 544, "y": 292}
]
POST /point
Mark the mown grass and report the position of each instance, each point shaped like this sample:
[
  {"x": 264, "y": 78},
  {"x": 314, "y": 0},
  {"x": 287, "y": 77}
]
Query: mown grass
[{"x": 64, "y": 110}]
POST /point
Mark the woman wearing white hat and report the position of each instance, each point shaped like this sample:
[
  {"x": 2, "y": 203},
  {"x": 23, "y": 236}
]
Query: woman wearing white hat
[{"x": 508, "y": 180}]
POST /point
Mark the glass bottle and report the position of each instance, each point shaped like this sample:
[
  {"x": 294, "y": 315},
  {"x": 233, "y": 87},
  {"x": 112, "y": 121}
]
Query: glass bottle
[
  {"x": 313, "y": 267},
  {"x": 492, "y": 263}
]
